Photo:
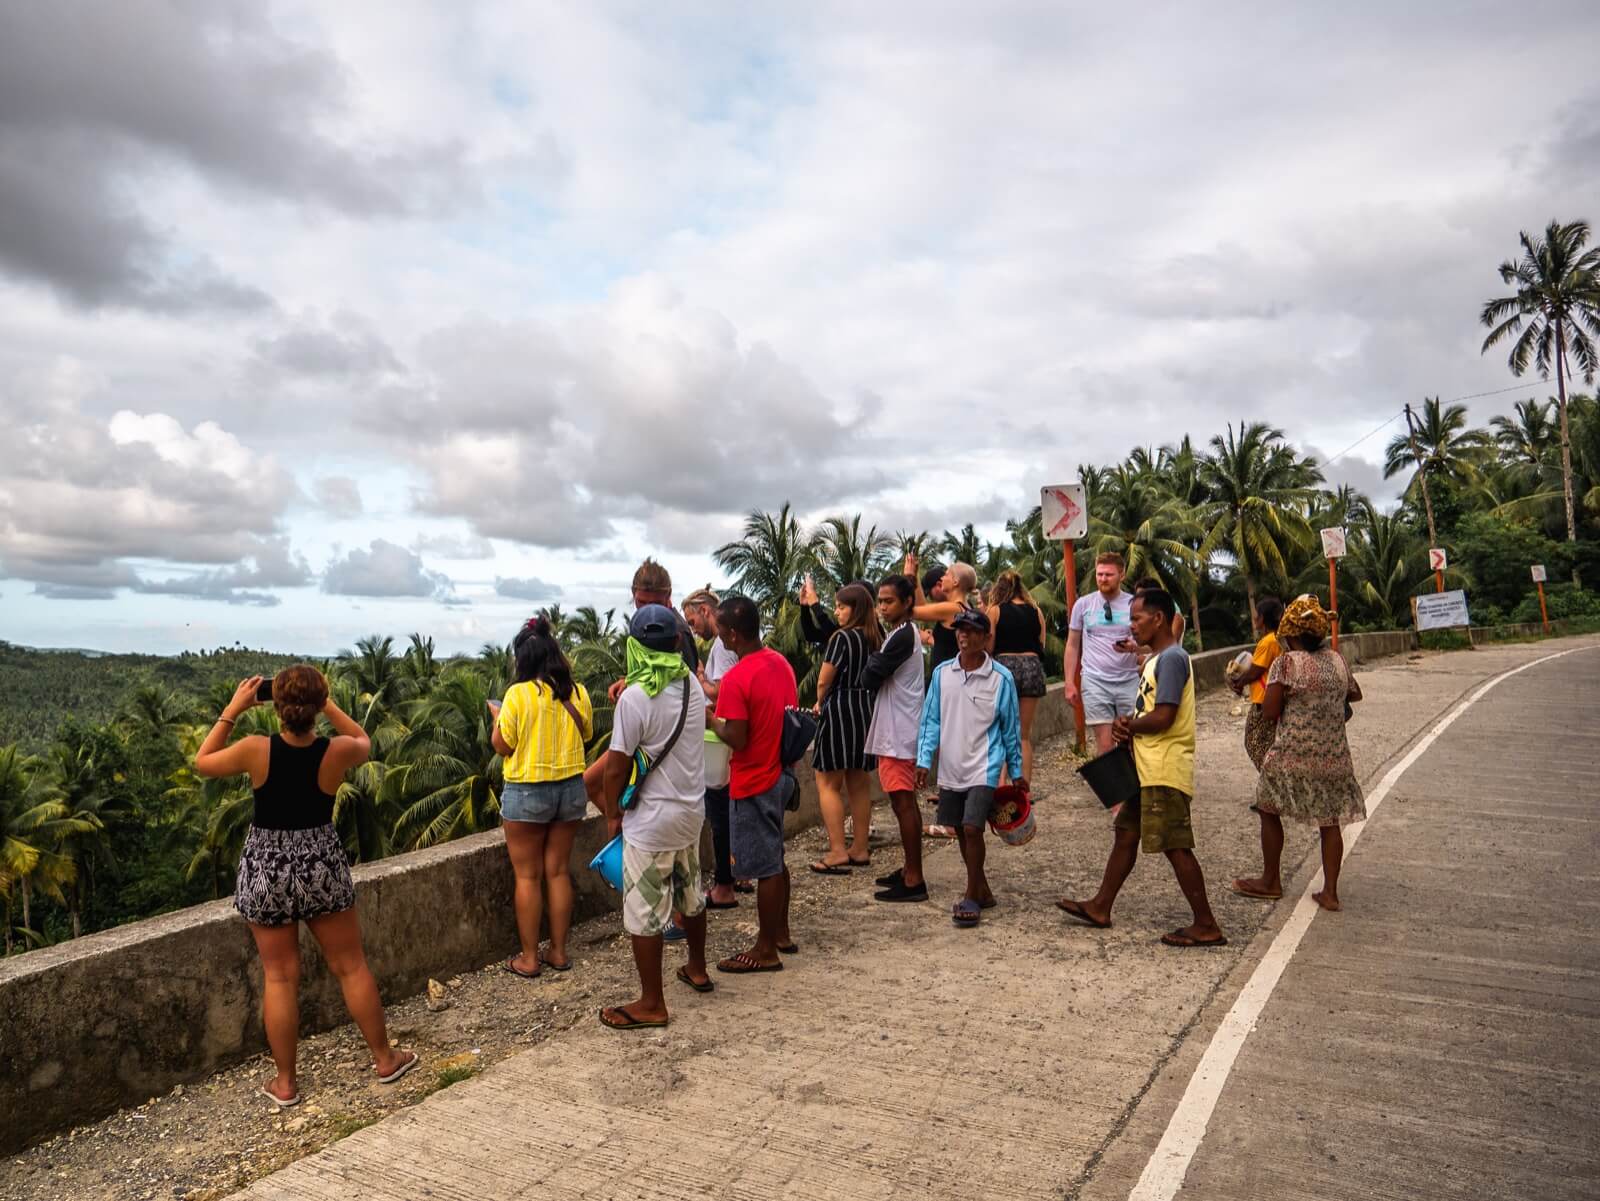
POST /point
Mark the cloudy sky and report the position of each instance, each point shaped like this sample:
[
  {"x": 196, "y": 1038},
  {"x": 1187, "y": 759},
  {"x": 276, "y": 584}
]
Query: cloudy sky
[{"x": 329, "y": 319}]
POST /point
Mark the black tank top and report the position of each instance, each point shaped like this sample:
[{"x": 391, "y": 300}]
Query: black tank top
[
  {"x": 944, "y": 645},
  {"x": 290, "y": 798},
  {"x": 1018, "y": 632}
]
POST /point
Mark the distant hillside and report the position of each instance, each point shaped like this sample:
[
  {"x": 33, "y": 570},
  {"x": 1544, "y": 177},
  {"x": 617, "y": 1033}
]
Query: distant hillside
[{"x": 39, "y": 689}]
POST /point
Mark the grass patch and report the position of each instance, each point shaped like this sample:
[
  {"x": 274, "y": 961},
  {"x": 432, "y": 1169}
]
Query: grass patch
[
  {"x": 454, "y": 1074},
  {"x": 343, "y": 1125},
  {"x": 1444, "y": 640}
]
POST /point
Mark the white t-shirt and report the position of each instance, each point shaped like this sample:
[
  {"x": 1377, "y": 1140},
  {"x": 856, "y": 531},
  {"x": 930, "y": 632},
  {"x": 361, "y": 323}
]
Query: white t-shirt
[
  {"x": 670, "y": 808},
  {"x": 718, "y": 660},
  {"x": 898, "y": 713}
]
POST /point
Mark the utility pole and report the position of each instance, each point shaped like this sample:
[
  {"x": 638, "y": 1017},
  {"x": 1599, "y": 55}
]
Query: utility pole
[{"x": 1422, "y": 474}]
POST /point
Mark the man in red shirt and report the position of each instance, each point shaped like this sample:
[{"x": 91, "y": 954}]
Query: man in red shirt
[{"x": 749, "y": 718}]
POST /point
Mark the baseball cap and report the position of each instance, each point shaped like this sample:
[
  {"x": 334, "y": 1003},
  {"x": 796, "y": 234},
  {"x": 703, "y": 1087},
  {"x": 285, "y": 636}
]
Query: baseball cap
[
  {"x": 973, "y": 619},
  {"x": 656, "y": 626}
]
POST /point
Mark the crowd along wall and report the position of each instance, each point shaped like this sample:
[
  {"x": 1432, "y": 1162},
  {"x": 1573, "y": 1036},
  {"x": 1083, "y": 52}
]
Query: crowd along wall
[{"x": 117, "y": 1017}]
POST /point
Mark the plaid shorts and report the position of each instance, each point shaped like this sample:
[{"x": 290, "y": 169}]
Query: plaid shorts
[{"x": 654, "y": 883}]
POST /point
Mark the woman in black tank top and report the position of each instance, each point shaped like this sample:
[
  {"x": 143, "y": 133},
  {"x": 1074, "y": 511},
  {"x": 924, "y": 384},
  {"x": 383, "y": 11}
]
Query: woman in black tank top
[{"x": 293, "y": 867}]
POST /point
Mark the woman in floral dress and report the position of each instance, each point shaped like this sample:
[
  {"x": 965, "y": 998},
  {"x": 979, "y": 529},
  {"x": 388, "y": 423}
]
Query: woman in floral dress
[{"x": 1307, "y": 775}]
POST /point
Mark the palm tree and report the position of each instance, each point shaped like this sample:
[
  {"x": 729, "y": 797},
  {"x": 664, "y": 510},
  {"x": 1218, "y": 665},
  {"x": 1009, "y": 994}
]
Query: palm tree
[
  {"x": 1133, "y": 518},
  {"x": 89, "y": 800},
  {"x": 919, "y": 545},
  {"x": 1529, "y": 435},
  {"x": 963, "y": 546},
  {"x": 1386, "y": 564},
  {"x": 846, "y": 554},
  {"x": 443, "y": 780},
  {"x": 373, "y": 668},
  {"x": 1257, "y": 491},
  {"x": 419, "y": 668},
  {"x": 1554, "y": 311},
  {"x": 157, "y": 709},
  {"x": 767, "y": 565},
  {"x": 1440, "y": 448},
  {"x": 33, "y": 822}
]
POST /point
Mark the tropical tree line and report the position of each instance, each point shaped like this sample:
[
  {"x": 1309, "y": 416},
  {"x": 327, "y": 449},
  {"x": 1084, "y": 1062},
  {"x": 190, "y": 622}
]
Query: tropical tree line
[{"x": 104, "y": 821}]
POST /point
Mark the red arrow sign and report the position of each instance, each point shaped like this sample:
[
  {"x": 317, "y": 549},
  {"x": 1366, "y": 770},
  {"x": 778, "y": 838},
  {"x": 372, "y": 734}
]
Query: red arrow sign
[{"x": 1069, "y": 511}]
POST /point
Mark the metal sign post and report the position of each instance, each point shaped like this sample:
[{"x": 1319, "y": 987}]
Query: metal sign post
[
  {"x": 1064, "y": 512},
  {"x": 1333, "y": 546},
  {"x": 1538, "y": 582}
]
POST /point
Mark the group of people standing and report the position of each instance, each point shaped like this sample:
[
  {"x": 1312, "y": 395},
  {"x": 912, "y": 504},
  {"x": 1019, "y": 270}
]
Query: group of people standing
[{"x": 713, "y": 742}]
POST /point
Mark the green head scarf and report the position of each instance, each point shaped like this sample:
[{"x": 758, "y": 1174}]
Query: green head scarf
[{"x": 653, "y": 670}]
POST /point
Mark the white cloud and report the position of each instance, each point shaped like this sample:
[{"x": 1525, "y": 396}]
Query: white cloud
[
  {"x": 384, "y": 569},
  {"x": 339, "y": 495},
  {"x": 528, "y": 589}
]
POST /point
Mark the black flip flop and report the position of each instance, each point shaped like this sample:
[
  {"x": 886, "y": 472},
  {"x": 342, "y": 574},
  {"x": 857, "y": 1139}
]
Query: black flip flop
[
  {"x": 557, "y": 967},
  {"x": 867, "y": 862},
  {"x": 516, "y": 971},
  {"x": 632, "y": 1023},
  {"x": 830, "y": 869},
  {"x": 722, "y": 904},
  {"x": 739, "y": 886},
  {"x": 1076, "y": 912},
  {"x": 707, "y": 986},
  {"x": 1177, "y": 938}
]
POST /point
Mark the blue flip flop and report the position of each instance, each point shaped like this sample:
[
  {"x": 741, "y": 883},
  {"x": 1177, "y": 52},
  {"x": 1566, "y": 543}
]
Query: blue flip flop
[{"x": 966, "y": 912}]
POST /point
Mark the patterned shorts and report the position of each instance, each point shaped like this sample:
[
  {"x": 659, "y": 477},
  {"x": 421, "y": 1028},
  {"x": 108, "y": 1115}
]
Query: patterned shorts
[
  {"x": 288, "y": 876},
  {"x": 1160, "y": 815},
  {"x": 654, "y": 883},
  {"x": 1027, "y": 671}
]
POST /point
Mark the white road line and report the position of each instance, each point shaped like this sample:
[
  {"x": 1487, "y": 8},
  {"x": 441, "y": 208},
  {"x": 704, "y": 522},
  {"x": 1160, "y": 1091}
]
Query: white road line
[{"x": 1163, "y": 1175}]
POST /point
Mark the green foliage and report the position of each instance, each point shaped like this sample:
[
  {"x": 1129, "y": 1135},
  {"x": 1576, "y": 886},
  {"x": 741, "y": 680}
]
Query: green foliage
[
  {"x": 1562, "y": 601},
  {"x": 1496, "y": 555}
]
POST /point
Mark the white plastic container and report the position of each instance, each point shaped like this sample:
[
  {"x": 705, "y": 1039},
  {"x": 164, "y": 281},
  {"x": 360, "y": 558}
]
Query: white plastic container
[{"x": 717, "y": 753}]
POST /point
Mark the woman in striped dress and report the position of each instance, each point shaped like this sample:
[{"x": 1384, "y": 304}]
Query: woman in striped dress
[{"x": 844, "y": 710}]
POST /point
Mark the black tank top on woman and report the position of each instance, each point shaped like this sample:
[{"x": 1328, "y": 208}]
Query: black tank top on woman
[
  {"x": 1018, "y": 631},
  {"x": 290, "y": 797}
]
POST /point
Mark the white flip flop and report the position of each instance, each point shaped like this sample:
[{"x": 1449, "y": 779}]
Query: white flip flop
[
  {"x": 279, "y": 1101},
  {"x": 399, "y": 1071}
]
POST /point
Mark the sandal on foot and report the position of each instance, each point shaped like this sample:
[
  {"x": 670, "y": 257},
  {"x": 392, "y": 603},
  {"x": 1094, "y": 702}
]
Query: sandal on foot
[
  {"x": 629, "y": 1022},
  {"x": 556, "y": 967},
  {"x": 823, "y": 868},
  {"x": 1078, "y": 913},
  {"x": 938, "y": 831},
  {"x": 280, "y": 1102},
  {"x": 697, "y": 985},
  {"x": 743, "y": 886},
  {"x": 401, "y": 1070},
  {"x": 710, "y": 904},
  {"x": 788, "y": 948},
  {"x": 966, "y": 912},
  {"x": 867, "y": 862},
  {"x": 510, "y": 965},
  {"x": 744, "y": 963},
  {"x": 1178, "y": 938}
]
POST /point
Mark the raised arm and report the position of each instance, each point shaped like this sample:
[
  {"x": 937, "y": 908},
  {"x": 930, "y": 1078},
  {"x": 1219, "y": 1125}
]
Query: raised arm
[{"x": 216, "y": 757}]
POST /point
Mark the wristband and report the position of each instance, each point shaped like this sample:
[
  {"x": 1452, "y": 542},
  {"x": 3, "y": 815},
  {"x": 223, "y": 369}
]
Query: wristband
[{"x": 225, "y": 718}]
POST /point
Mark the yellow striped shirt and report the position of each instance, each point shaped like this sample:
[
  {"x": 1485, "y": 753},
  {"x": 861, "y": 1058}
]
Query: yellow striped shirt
[{"x": 545, "y": 742}]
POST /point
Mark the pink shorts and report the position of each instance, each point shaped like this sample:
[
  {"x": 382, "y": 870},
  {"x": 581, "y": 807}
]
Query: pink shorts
[{"x": 897, "y": 775}]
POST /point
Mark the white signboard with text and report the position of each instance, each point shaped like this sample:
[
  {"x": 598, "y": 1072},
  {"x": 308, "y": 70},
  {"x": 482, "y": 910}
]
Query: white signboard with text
[
  {"x": 1437, "y": 559},
  {"x": 1442, "y": 610},
  {"x": 1538, "y": 573},
  {"x": 1333, "y": 543},
  {"x": 1064, "y": 510}
]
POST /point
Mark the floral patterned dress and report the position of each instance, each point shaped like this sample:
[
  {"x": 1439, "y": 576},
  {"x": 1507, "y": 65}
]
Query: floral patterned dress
[{"x": 1308, "y": 775}]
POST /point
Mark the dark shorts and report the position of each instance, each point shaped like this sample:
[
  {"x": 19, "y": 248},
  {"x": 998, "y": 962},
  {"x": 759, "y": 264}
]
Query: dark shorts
[
  {"x": 756, "y": 837},
  {"x": 1160, "y": 816},
  {"x": 965, "y": 806},
  {"x": 1027, "y": 671}
]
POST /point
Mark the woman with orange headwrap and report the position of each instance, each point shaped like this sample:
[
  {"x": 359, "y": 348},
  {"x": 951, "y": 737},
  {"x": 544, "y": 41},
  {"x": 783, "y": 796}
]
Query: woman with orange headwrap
[{"x": 1308, "y": 774}]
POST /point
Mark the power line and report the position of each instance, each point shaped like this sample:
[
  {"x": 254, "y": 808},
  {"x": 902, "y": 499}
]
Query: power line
[{"x": 1395, "y": 417}]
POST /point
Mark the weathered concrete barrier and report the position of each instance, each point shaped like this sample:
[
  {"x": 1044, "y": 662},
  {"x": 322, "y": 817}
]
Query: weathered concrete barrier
[{"x": 117, "y": 1017}]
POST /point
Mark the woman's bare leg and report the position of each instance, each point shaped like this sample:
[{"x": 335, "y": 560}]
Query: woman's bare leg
[
  {"x": 558, "y": 887},
  {"x": 339, "y": 936},
  {"x": 1332, "y": 860},
  {"x": 525, "y": 842},
  {"x": 1027, "y": 706},
  {"x": 279, "y": 948},
  {"x": 859, "y": 786},
  {"x": 830, "y": 785}
]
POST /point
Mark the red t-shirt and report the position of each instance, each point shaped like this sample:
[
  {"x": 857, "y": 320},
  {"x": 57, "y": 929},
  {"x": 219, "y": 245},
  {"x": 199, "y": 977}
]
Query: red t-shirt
[{"x": 757, "y": 690}]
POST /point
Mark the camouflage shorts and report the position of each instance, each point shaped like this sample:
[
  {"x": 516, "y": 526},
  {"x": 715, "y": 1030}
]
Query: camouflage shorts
[
  {"x": 1160, "y": 816},
  {"x": 654, "y": 883}
]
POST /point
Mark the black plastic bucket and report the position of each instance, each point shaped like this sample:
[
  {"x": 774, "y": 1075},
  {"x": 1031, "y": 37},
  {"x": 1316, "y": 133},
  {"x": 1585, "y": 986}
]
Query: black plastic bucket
[{"x": 1112, "y": 776}]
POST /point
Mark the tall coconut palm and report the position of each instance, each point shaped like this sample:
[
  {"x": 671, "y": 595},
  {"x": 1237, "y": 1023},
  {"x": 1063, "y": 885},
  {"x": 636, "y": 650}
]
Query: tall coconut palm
[
  {"x": 845, "y": 553},
  {"x": 1257, "y": 491},
  {"x": 374, "y": 668},
  {"x": 89, "y": 796},
  {"x": 1554, "y": 312},
  {"x": 444, "y": 777},
  {"x": 919, "y": 545},
  {"x": 157, "y": 709},
  {"x": 1135, "y": 519},
  {"x": 1529, "y": 433},
  {"x": 1439, "y": 447},
  {"x": 419, "y": 667},
  {"x": 767, "y": 565},
  {"x": 963, "y": 546}
]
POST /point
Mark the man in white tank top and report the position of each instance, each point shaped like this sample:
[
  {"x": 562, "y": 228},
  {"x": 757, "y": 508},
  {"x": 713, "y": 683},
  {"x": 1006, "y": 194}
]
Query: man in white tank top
[{"x": 895, "y": 669}]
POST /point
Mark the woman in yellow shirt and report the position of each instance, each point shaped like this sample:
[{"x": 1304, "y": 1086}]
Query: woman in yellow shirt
[
  {"x": 1259, "y": 730},
  {"x": 540, "y": 730}
]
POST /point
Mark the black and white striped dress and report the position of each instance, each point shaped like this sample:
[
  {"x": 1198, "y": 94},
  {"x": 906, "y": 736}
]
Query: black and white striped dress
[{"x": 847, "y": 709}]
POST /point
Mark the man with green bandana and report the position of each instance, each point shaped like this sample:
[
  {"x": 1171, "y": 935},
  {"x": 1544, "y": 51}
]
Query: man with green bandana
[{"x": 661, "y": 713}]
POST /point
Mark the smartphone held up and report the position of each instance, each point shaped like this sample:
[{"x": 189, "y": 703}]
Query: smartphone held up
[{"x": 264, "y": 691}]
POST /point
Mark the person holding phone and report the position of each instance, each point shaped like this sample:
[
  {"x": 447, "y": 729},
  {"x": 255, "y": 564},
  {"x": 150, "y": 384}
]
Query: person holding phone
[
  {"x": 293, "y": 867},
  {"x": 541, "y": 731},
  {"x": 1100, "y": 641}
]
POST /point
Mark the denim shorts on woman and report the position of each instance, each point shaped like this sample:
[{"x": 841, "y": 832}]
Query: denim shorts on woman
[{"x": 545, "y": 801}]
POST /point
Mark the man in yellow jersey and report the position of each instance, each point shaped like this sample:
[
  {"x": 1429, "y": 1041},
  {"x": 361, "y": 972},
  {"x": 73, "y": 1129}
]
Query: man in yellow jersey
[{"x": 1162, "y": 733}]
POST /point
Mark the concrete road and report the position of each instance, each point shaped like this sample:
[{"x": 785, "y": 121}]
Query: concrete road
[{"x": 1438, "y": 1036}]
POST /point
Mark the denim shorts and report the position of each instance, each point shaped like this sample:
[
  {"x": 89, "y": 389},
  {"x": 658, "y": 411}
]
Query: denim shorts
[{"x": 545, "y": 801}]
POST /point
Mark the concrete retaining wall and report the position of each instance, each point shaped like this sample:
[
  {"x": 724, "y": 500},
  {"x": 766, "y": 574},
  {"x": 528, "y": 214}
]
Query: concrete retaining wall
[{"x": 117, "y": 1017}]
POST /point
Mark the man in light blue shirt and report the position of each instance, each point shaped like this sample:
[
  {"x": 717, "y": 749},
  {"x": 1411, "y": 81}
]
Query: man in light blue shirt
[{"x": 970, "y": 719}]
